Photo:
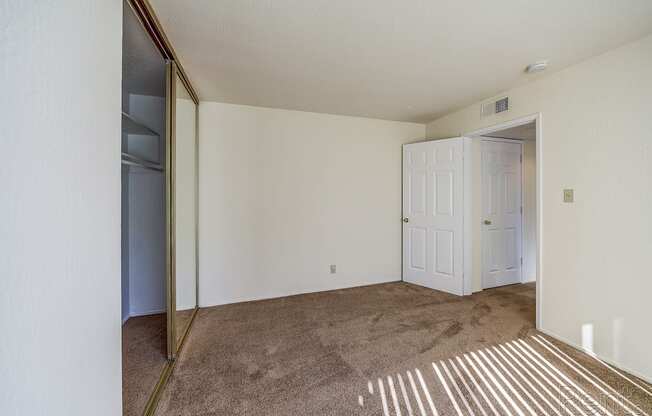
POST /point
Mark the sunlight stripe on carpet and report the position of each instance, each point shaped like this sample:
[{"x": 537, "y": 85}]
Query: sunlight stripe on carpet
[
  {"x": 406, "y": 399},
  {"x": 582, "y": 373},
  {"x": 448, "y": 391},
  {"x": 417, "y": 396},
  {"x": 457, "y": 389},
  {"x": 466, "y": 386},
  {"x": 514, "y": 376}
]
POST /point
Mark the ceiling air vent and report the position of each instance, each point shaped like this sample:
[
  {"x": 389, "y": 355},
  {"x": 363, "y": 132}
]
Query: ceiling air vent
[{"x": 495, "y": 107}]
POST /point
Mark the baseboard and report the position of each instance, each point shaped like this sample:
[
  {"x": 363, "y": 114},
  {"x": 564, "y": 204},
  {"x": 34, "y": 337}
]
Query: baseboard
[
  {"x": 298, "y": 293},
  {"x": 598, "y": 356},
  {"x": 142, "y": 313},
  {"x": 145, "y": 313}
]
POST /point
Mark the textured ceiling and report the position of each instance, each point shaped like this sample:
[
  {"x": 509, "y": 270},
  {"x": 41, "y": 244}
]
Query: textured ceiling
[{"x": 409, "y": 60}]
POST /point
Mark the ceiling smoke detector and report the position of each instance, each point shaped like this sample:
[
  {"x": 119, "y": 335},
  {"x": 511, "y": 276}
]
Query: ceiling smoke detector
[{"x": 536, "y": 67}]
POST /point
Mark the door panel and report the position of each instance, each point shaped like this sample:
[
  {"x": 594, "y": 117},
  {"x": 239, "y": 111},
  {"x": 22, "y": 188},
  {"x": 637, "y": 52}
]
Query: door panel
[
  {"x": 417, "y": 250},
  {"x": 501, "y": 208},
  {"x": 432, "y": 205},
  {"x": 511, "y": 249},
  {"x": 417, "y": 192},
  {"x": 443, "y": 193},
  {"x": 444, "y": 252}
]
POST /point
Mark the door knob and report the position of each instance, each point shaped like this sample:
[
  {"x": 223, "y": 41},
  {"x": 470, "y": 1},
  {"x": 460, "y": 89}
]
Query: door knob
[
  {"x": 487, "y": 222},
  {"x": 406, "y": 220}
]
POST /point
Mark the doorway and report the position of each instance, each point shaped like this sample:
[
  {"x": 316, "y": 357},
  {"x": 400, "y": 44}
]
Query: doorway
[
  {"x": 522, "y": 259},
  {"x": 447, "y": 245}
]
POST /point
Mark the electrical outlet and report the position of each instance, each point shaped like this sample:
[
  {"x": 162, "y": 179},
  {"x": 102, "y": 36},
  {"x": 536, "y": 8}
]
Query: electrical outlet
[
  {"x": 569, "y": 195},
  {"x": 333, "y": 269}
]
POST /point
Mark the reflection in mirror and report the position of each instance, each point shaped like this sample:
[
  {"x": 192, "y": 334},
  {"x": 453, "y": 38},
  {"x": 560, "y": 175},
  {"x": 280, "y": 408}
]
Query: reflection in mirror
[
  {"x": 143, "y": 199},
  {"x": 185, "y": 191}
]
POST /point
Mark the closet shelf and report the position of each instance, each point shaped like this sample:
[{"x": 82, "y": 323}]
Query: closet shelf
[
  {"x": 132, "y": 126},
  {"x": 132, "y": 160}
]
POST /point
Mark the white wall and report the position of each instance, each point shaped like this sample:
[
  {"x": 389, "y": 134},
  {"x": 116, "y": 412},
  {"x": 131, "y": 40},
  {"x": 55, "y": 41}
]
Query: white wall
[
  {"x": 60, "y": 230},
  {"x": 596, "y": 139},
  {"x": 284, "y": 194}
]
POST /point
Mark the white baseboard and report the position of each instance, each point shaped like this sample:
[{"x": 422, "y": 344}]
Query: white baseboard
[
  {"x": 142, "y": 313},
  {"x": 293, "y": 293},
  {"x": 609, "y": 361},
  {"x": 145, "y": 313}
]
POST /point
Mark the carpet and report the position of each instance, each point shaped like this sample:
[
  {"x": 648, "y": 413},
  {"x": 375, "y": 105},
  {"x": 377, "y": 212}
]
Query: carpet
[{"x": 390, "y": 349}]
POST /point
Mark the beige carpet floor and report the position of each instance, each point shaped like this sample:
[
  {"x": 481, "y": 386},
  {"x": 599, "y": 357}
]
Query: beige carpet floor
[
  {"x": 183, "y": 318},
  {"x": 390, "y": 349},
  {"x": 143, "y": 359}
]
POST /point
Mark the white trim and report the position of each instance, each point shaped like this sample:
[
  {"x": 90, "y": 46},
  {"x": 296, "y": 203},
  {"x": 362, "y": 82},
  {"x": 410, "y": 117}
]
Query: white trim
[
  {"x": 597, "y": 356},
  {"x": 145, "y": 313},
  {"x": 137, "y": 314},
  {"x": 497, "y": 139},
  {"x": 505, "y": 125},
  {"x": 432, "y": 140},
  {"x": 467, "y": 217},
  {"x": 243, "y": 299},
  {"x": 538, "y": 119}
]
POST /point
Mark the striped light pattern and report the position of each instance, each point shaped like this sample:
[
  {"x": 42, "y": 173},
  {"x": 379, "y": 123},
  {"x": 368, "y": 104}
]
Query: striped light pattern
[{"x": 517, "y": 378}]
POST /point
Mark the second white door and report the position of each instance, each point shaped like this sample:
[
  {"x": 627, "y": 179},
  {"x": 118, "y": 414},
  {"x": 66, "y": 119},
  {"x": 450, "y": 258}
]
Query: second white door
[{"x": 502, "y": 212}]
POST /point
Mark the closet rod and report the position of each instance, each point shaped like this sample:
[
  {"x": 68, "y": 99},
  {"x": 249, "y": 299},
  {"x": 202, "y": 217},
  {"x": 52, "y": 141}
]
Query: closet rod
[
  {"x": 128, "y": 159},
  {"x": 140, "y": 165}
]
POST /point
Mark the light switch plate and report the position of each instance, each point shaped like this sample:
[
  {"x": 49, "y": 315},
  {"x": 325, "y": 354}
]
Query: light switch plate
[
  {"x": 569, "y": 195},
  {"x": 333, "y": 269}
]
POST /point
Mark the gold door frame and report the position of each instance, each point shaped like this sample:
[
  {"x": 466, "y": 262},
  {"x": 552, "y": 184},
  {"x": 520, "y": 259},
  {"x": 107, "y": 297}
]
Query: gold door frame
[
  {"x": 145, "y": 14},
  {"x": 174, "y": 348},
  {"x": 171, "y": 99},
  {"x": 170, "y": 223},
  {"x": 152, "y": 26}
]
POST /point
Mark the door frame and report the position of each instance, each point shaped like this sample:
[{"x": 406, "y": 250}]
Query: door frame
[
  {"x": 538, "y": 119},
  {"x": 520, "y": 143}
]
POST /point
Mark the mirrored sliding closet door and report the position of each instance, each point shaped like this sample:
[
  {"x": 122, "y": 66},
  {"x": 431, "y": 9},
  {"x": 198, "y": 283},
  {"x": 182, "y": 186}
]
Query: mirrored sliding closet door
[
  {"x": 184, "y": 175},
  {"x": 144, "y": 211},
  {"x": 159, "y": 209}
]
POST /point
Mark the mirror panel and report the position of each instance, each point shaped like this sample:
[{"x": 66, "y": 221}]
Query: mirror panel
[
  {"x": 143, "y": 216},
  {"x": 185, "y": 195}
]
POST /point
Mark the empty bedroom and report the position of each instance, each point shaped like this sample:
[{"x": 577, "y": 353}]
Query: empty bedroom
[{"x": 360, "y": 207}]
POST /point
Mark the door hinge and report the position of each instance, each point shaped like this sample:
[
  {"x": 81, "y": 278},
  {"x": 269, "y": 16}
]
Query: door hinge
[
  {"x": 521, "y": 158},
  {"x": 521, "y": 209},
  {"x": 521, "y": 261}
]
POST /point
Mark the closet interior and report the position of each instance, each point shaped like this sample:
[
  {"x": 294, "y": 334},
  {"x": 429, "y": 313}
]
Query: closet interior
[{"x": 159, "y": 212}]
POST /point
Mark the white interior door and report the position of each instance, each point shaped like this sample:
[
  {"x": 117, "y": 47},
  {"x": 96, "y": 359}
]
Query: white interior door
[
  {"x": 433, "y": 214},
  {"x": 502, "y": 212}
]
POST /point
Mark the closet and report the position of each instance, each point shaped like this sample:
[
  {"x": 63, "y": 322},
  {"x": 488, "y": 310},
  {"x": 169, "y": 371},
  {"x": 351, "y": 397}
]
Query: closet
[{"x": 159, "y": 208}]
